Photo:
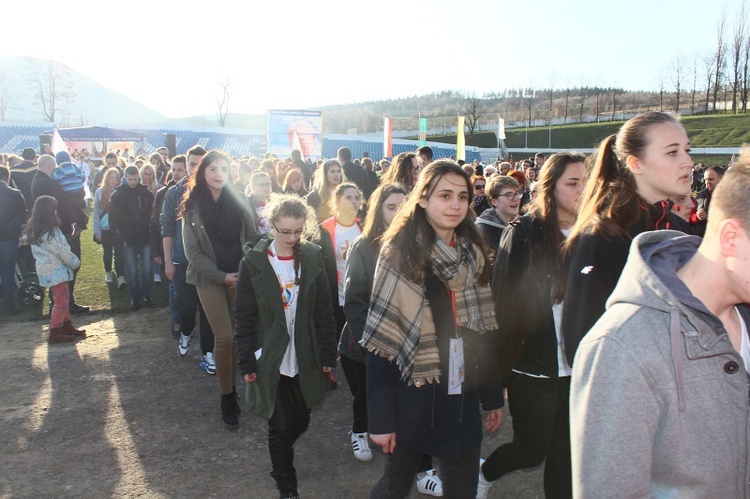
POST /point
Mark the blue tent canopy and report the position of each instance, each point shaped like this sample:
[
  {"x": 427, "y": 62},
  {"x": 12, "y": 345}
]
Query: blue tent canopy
[{"x": 99, "y": 134}]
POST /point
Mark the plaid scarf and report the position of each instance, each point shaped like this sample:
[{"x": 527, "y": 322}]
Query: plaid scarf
[{"x": 400, "y": 326}]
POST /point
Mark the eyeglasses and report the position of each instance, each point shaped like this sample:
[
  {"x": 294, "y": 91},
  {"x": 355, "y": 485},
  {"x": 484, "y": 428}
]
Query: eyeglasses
[
  {"x": 264, "y": 185},
  {"x": 295, "y": 233},
  {"x": 510, "y": 196},
  {"x": 479, "y": 187}
]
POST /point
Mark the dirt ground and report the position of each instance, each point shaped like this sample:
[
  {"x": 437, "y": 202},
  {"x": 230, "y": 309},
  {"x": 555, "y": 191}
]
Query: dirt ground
[{"x": 120, "y": 414}]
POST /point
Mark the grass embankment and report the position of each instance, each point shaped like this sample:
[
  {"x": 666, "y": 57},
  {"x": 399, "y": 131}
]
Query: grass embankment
[
  {"x": 704, "y": 131},
  {"x": 91, "y": 289}
]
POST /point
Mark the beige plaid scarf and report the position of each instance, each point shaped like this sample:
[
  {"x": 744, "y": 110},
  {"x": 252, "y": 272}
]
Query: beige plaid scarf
[{"x": 399, "y": 324}]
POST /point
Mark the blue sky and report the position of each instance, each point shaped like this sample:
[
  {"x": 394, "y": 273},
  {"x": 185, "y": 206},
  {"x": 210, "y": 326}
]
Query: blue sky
[{"x": 295, "y": 54}]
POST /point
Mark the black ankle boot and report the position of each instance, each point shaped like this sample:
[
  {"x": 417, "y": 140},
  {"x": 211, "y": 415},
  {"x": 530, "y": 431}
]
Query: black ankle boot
[
  {"x": 228, "y": 414},
  {"x": 236, "y": 402},
  {"x": 287, "y": 484}
]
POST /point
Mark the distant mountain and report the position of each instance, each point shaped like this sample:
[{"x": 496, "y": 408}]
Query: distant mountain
[{"x": 93, "y": 104}]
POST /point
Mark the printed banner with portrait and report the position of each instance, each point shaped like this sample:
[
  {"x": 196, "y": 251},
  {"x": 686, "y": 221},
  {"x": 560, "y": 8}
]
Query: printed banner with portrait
[{"x": 295, "y": 129}]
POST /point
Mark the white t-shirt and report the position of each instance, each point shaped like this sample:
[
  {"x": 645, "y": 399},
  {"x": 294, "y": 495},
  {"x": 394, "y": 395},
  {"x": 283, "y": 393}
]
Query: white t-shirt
[
  {"x": 344, "y": 237},
  {"x": 283, "y": 266},
  {"x": 745, "y": 345},
  {"x": 263, "y": 225}
]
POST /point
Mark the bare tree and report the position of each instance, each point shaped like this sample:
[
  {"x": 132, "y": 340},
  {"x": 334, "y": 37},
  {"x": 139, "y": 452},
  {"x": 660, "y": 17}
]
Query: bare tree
[
  {"x": 567, "y": 99},
  {"x": 598, "y": 92},
  {"x": 739, "y": 40},
  {"x": 616, "y": 92},
  {"x": 222, "y": 103},
  {"x": 583, "y": 92},
  {"x": 472, "y": 112},
  {"x": 720, "y": 55},
  {"x": 529, "y": 98},
  {"x": 708, "y": 64},
  {"x": 661, "y": 85},
  {"x": 695, "y": 83},
  {"x": 52, "y": 84},
  {"x": 677, "y": 70},
  {"x": 6, "y": 96}
]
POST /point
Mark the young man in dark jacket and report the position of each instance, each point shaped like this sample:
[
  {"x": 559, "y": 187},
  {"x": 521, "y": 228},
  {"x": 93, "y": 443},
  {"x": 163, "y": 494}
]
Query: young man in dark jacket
[
  {"x": 129, "y": 218},
  {"x": 13, "y": 209}
]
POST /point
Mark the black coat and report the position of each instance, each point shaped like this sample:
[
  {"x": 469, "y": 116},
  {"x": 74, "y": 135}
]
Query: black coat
[
  {"x": 356, "y": 174},
  {"x": 130, "y": 214},
  {"x": 360, "y": 269},
  {"x": 70, "y": 205},
  {"x": 427, "y": 419},
  {"x": 522, "y": 290},
  {"x": 593, "y": 266},
  {"x": 13, "y": 209}
]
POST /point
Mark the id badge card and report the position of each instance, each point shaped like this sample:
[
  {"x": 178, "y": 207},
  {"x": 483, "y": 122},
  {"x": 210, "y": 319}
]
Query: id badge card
[{"x": 456, "y": 366}]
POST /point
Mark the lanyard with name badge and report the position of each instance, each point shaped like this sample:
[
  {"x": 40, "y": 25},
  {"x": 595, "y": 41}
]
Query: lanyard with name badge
[{"x": 456, "y": 371}]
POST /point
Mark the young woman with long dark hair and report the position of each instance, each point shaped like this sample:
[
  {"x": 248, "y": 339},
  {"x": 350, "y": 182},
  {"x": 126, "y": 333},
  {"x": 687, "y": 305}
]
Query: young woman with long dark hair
[
  {"x": 528, "y": 286},
  {"x": 634, "y": 175},
  {"x": 404, "y": 170},
  {"x": 215, "y": 224},
  {"x": 429, "y": 335},
  {"x": 285, "y": 329}
]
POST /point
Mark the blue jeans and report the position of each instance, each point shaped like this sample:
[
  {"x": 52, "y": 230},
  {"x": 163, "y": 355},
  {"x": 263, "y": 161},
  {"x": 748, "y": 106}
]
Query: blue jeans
[
  {"x": 8, "y": 257},
  {"x": 139, "y": 280}
]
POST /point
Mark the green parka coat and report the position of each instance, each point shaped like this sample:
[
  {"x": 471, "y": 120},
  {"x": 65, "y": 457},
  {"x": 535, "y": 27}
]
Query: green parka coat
[{"x": 261, "y": 326}]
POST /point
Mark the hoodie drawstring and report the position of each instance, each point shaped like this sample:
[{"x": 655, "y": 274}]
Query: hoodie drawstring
[{"x": 676, "y": 344}]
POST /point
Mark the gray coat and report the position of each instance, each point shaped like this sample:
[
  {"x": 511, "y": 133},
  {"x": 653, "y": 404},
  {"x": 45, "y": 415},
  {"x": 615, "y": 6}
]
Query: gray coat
[{"x": 659, "y": 397}]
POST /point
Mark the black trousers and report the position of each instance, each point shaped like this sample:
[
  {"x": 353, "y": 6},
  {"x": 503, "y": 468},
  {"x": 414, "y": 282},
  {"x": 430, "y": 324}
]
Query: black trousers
[
  {"x": 541, "y": 429},
  {"x": 290, "y": 419},
  {"x": 356, "y": 374},
  {"x": 75, "y": 247},
  {"x": 459, "y": 476}
]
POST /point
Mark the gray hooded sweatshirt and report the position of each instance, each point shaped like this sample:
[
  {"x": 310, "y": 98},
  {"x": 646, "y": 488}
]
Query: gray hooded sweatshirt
[{"x": 659, "y": 397}]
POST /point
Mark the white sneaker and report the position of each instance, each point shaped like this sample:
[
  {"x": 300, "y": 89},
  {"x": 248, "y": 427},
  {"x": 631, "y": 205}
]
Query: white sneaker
[
  {"x": 483, "y": 486},
  {"x": 428, "y": 482},
  {"x": 361, "y": 446},
  {"x": 184, "y": 346},
  {"x": 211, "y": 363},
  {"x": 109, "y": 277},
  {"x": 121, "y": 282}
]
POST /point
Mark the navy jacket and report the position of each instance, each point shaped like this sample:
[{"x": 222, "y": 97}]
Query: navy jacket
[{"x": 427, "y": 419}]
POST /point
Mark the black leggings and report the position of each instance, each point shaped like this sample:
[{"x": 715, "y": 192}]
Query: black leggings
[
  {"x": 541, "y": 430},
  {"x": 289, "y": 420}
]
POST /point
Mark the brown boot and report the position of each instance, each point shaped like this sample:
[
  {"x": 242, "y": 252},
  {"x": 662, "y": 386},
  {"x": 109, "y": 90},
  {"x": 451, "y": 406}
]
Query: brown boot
[
  {"x": 58, "y": 335},
  {"x": 68, "y": 328}
]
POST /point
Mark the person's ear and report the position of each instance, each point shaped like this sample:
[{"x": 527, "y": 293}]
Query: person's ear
[
  {"x": 729, "y": 231},
  {"x": 634, "y": 165}
]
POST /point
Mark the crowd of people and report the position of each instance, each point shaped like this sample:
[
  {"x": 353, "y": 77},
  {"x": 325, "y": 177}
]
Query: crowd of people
[{"x": 603, "y": 294}]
